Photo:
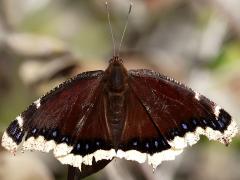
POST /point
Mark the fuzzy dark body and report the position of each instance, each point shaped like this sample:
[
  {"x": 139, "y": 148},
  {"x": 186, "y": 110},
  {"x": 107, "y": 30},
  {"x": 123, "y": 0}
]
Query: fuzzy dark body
[{"x": 116, "y": 91}]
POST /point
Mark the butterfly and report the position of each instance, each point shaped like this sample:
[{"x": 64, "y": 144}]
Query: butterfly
[{"x": 138, "y": 115}]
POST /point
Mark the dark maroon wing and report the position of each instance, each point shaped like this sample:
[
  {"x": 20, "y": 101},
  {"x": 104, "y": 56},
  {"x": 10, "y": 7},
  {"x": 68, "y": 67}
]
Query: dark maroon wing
[
  {"x": 178, "y": 113},
  {"x": 63, "y": 121},
  {"x": 140, "y": 136}
]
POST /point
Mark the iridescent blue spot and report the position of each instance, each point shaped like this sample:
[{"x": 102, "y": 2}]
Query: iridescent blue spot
[
  {"x": 184, "y": 126},
  {"x": 78, "y": 146},
  {"x": 147, "y": 145},
  {"x": 18, "y": 135},
  {"x": 87, "y": 146},
  {"x": 98, "y": 143},
  {"x": 213, "y": 124},
  {"x": 204, "y": 121},
  {"x": 54, "y": 134},
  {"x": 65, "y": 139},
  {"x": 220, "y": 124},
  {"x": 34, "y": 131},
  {"x": 156, "y": 143},
  {"x": 135, "y": 143},
  {"x": 13, "y": 131},
  {"x": 194, "y": 121}
]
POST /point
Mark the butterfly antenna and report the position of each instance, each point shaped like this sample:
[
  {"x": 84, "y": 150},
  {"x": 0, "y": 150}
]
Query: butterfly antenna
[
  {"x": 110, "y": 27},
  {"x": 125, "y": 27}
]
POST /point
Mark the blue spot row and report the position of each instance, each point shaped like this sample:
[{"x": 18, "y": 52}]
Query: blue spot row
[
  {"x": 50, "y": 134},
  {"x": 84, "y": 147},
  {"x": 219, "y": 124},
  {"x": 149, "y": 146}
]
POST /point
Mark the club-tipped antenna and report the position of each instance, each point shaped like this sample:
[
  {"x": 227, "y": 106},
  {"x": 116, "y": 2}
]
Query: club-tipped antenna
[
  {"x": 125, "y": 27},
  {"x": 111, "y": 29}
]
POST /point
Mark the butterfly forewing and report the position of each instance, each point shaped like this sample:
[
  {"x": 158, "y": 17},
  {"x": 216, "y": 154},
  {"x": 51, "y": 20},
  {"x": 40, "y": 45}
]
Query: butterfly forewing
[
  {"x": 93, "y": 140},
  {"x": 57, "y": 117},
  {"x": 65, "y": 107},
  {"x": 140, "y": 136}
]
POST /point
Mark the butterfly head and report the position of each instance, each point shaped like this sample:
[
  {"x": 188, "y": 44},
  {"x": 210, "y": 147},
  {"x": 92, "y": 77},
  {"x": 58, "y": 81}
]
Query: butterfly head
[
  {"x": 116, "y": 60},
  {"x": 116, "y": 75}
]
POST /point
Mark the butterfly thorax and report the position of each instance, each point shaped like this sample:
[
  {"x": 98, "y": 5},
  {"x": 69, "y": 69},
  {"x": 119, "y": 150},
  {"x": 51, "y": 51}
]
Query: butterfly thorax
[{"x": 116, "y": 88}]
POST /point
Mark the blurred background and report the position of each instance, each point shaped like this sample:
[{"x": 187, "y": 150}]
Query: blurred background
[{"x": 43, "y": 43}]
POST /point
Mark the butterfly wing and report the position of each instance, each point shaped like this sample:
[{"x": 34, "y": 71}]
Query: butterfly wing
[
  {"x": 140, "y": 137},
  {"x": 69, "y": 120},
  {"x": 178, "y": 113},
  {"x": 162, "y": 117}
]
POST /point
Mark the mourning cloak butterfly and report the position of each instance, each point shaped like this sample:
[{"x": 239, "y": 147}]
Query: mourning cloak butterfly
[{"x": 137, "y": 115}]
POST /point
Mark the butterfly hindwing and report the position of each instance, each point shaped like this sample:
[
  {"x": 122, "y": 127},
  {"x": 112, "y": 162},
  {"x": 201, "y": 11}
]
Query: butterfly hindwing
[
  {"x": 141, "y": 139},
  {"x": 93, "y": 138},
  {"x": 180, "y": 114}
]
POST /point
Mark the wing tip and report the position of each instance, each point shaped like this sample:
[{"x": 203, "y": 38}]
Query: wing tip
[
  {"x": 8, "y": 143},
  {"x": 14, "y": 135}
]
